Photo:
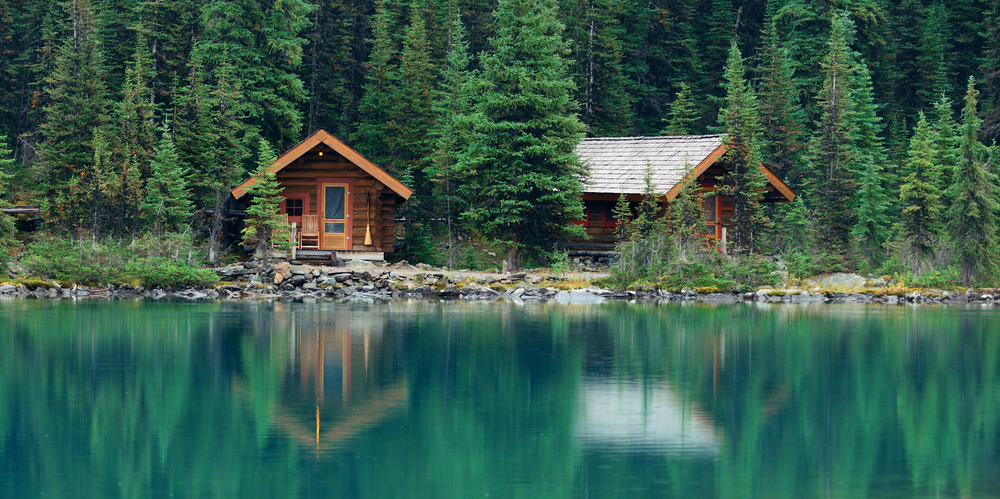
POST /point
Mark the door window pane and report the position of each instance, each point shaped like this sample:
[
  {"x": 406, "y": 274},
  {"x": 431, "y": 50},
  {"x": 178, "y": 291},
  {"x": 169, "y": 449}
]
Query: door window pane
[
  {"x": 334, "y": 208},
  {"x": 333, "y": 228},
  {"x": 708, "y": 207}
]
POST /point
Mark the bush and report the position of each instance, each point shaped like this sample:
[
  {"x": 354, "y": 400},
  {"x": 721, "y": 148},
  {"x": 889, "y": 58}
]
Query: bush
[{"x": 150, "y": 262}]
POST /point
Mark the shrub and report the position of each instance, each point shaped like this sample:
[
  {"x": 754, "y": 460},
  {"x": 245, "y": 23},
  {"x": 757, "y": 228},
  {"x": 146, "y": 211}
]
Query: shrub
[{"x": 151, "y": 262}]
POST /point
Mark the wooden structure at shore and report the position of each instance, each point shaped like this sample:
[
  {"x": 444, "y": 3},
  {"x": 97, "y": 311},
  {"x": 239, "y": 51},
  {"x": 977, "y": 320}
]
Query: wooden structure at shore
[
  {"x": 349, "y": 200},
  {"x": 618, "y": 165}
]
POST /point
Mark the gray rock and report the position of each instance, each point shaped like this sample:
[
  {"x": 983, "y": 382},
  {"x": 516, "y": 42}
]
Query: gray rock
[
  {"x": 310, "y": 286},
  {"x": 718, "y": 298},
  {"x": 892, "y": 300},
  {"x": 577, "y": 297},
  {"x": 7, "y": 289},
  {"x": 299, "y": 269},
  {"x": 841, "y": 279},
  {"x": 342, "y": 276}
]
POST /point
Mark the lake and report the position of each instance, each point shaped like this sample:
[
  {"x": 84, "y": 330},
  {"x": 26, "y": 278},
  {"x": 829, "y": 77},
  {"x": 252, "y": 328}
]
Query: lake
[{"x": 442, "y": 400}]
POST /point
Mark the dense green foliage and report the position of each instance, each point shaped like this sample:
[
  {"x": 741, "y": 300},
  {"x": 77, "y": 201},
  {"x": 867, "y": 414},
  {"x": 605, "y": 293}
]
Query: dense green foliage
[
  {"x": 447, "y": 94},
  {"x": 149, "y": 261}
]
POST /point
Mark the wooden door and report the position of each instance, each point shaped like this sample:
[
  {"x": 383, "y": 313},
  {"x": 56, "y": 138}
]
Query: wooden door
[{"x": 335, "y": 215}]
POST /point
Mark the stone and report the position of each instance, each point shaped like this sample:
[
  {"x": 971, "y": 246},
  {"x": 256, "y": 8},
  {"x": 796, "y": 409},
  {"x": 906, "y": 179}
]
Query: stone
[
  {"x": 577, "y": 297},
  {"x": 278, "y": 278},
  {"x": 7, "y": 289},
  {"x": 840, "y": 279},
  {"x": 298, "y": 280},
  {"x": 310, "y": 286},
  {"x": 342, "y": 276}
]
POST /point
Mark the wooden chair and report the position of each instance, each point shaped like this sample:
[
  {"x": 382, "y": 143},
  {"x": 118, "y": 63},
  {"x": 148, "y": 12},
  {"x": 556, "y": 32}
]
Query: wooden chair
[
  {"x": 291, "y": 232},
  {"x": 309, "y": 236}
]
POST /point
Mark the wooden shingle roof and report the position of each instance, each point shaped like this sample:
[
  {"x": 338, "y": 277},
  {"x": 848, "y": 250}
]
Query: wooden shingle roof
[{"x": 617, "y": 165}]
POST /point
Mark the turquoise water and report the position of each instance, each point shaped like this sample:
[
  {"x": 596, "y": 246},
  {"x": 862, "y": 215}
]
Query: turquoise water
[{"x": 441, "y": 400}]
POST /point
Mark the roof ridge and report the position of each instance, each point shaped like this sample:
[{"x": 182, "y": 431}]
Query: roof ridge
[{"x": 653, "y": 137}]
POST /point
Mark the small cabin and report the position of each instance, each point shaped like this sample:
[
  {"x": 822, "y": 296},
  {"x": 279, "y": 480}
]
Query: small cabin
[
  {"x": 342, "y": 204},
  {"x": 618, "y": 165}
]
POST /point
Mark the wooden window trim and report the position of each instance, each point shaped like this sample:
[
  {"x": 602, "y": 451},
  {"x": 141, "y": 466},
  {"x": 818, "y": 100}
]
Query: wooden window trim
[{"x": 305, "y": 206}]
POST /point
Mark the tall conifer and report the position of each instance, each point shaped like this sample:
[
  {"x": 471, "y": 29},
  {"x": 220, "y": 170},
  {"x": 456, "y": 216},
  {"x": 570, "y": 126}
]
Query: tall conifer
[
  {"x": 873, "y": 201},
  {"x": 974, "y": 195},
  {"x": 372, "y": 137},
  {"x": 167, "y": 206},
  {"x": 525, "y": 179},
  {"x": 920, "y": 199},
  {"x": 77, "y": 105},
  {"x": 264, "y": 225},
  {"x": 743, "y": 181},
  {"x": 832, "y": 154},
  {"x": 7, "y": 240}
]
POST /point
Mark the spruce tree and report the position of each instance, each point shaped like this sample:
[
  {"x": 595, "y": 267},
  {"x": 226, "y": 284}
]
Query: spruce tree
[
  {"x": 781, "y": 113},
  {"x": 265, "y": 226},
  {"x": 7, "y": 241},
  {"x": 168, "y": 205},
  {"x": 873, "y": 204},
  {"x": 974, "y": 195},
  {"x": 77, "y": 99},
  {"x": 945, "y": 134},
  {"x": 920, "y": 199},
  {"x": 372, "y": 137},
  {"x": 682, "y": 114},
  {"x": 744, "y": 180},
  {"x": 832, "y": 154},
  {"x": 451, "y": 132},
  {"x": 524, "y": 177},
  {"x": 411, "y": 112},
  {"x": 687, "y": 225}
]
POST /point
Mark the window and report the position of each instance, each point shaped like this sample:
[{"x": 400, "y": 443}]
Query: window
[
  {"x": 293, "y": 207},
  {"x": 708, "y": 207}
]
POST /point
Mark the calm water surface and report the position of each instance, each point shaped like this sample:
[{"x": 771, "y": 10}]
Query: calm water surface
[{"x": 139, "y": 399}]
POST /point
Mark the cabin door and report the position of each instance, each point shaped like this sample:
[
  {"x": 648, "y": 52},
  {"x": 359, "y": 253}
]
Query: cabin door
[{"x": 335, "y": 215}]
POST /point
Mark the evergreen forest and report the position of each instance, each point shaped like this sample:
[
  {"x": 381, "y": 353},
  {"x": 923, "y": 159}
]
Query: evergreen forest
[{"x": 123, "y": 119}]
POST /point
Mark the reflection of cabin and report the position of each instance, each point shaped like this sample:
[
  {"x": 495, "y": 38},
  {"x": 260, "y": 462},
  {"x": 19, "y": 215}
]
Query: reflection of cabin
[
  {"x": 618, "y": 165},
  {"x": 338, "y": 194}
]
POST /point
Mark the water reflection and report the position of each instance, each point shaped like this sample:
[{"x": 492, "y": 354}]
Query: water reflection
[{"x": 131, "y": 399}]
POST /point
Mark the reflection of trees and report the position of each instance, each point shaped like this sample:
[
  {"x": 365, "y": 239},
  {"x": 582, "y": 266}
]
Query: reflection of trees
[
  {"x": 130, "y": 400},
  {"x": 813, "y": 400}
]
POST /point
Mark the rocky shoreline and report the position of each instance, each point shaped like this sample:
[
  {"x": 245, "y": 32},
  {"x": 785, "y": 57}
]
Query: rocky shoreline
[{"x": 387, "y": 283}]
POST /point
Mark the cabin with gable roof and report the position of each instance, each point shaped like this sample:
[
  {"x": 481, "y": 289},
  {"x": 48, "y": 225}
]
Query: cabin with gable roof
[
  {"x": 617, "y": 165},
  {"x": 343, "y": 205}
]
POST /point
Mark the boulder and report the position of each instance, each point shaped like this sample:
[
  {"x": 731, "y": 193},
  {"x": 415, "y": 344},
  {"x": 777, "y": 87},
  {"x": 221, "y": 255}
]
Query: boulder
[{"x": 577, "y": 297}]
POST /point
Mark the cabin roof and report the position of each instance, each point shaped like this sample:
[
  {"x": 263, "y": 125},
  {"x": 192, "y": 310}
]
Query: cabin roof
[
  {"x": 323, "y": 137},
  {"x": 618, "y": 164}
]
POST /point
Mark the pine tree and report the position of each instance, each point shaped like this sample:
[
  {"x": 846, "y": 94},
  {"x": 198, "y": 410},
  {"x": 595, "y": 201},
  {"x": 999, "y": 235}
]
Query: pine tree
[
  {"x": 595, "y": 37},
  {"x": 132, "y": 138},
  {"x": 831, "y": 152},
  {"x": 411, "y": 112},
  {"x": 781, "y": 113},
  {"x": 7, "y": 241},
  {"x": 525, "y": 179},
  {"x": 687, "y": 227},
  {"x": 974, "y": 195},
  {"x": 77, "y": 105},
  {"x": 451, "y": 133},
  {"x": 920, "y": 199},
  {"x": 743, "y": 181},
  {"x": 682, "y": 115},
  {"x": 168, "y": 205},
  {"x": 372, "y": 137},
  {"x": 945, "y": 135},
  {"x": 265, "y": 226},
  {"x": 873, "y": 200}
]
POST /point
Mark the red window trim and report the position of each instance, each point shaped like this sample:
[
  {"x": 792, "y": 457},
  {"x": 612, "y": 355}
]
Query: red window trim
[{"x": 305, "y": 206}]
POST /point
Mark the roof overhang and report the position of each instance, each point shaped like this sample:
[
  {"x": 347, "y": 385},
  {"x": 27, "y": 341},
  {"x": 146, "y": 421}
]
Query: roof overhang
[
  {"x": 323, "y": 137},
  {"x": 787, "y": 195}
]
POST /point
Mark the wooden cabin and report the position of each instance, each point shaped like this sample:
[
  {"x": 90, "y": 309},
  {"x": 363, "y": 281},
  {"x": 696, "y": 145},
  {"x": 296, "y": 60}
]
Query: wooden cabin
[
  {"x": 336, "y": 197},
  {"x": 618, "y": 165}
]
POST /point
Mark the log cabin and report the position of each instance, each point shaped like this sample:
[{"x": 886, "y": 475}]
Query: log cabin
[
  {"x": 618, "y": 166},
  {"x": 346, "y": 200}
]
